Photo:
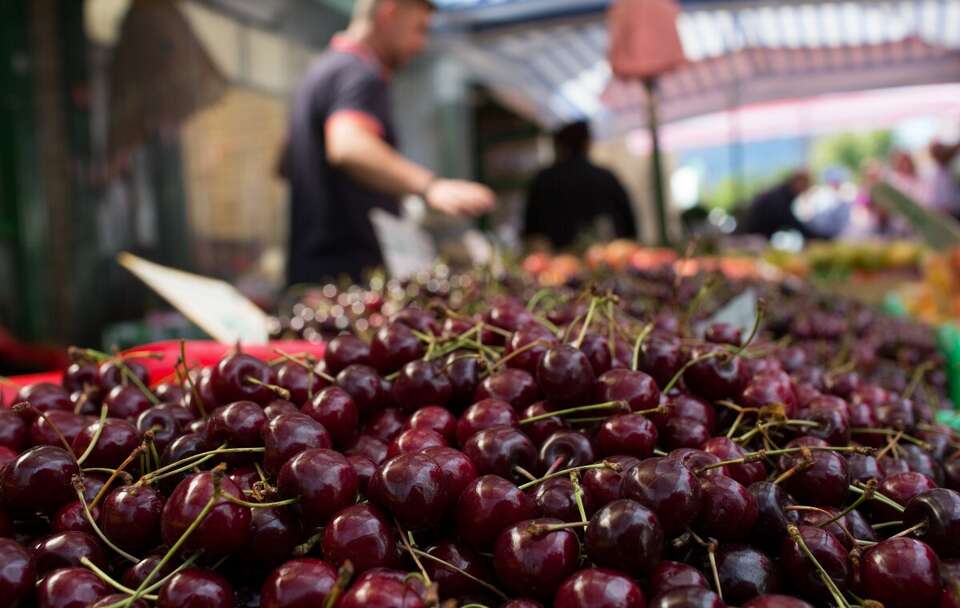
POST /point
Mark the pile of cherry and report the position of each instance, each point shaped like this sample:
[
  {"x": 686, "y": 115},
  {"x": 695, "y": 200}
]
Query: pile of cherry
[{"x": 569, "y": 455}]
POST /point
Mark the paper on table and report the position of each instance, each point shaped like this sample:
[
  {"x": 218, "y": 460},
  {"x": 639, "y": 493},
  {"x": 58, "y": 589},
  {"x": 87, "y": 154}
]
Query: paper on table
[
  {"x": 406, "y": 248},
  {"x": 215, "y": 306}
]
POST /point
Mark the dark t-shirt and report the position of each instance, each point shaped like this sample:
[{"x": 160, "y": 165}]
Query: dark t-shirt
[
  {"x": 568, "y": 197},
  {"x": 330, "y": 229}
]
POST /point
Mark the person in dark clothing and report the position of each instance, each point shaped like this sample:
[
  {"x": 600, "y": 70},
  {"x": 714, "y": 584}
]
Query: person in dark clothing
[
  {"x": 341, "y": 158},
  {"x": 772, "y": 211},
  {"x": 568, "y": 198}
]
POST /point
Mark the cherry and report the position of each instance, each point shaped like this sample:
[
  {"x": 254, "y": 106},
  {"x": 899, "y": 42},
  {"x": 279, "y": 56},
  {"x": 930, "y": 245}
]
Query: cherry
[
  {"x": 897, "y": 414},
  {"x": 411, "y": 488},
  {"x": 81, "y": 374},
  {"x": 499, "y": 450},
  {"x": 939, "y": 508},
  {"x": 696, "y": 460},
  {"x": 824, "y": 483},
  {"x": 508, "y": 314},
  {"x": 670, "y": 575},
  {"x": 18, "y": 573},
  {"x": 725, "y": 449},
  {"x": 435, "y": 418},
  {"x": 117, "y": 439},
  {"x": 126, "y": 401},
  {"x": 274, "y": 534},
  {"x": 298, "y": 583},
  {"x": 921, "y": 461},
  {"x": 687, "y": 597},
  {"x": 523, "y": 338},
  {"x": 299, "y": 381},
  {"x": 463, "y": 371},
  {"x": 597, "y": 349},
  {"x": 380, "y": 592},
  {"x": 683, "y": 432},
  {"x": 488, "y": 505},
  {"x": 130, "y": 517},
  {"x": 530, "y": 562},
  {"x": 565, "y": 449},
  {"x": 661, "y": 358},
  {"x": 625, "y": 535},
  {"x": 602, "y": 485},
  {"x": 364, "y": 386},
  {"x": 771, "y": 389},
  {"x": 289, "y": 434},
  {"x": 833, "y": 421},
  {"x": 599, "y": 588},
  {"x": 14, "y": 432},
  {"x": 64, "y": 549},
  {"x": 345, "y": 350},
  {"x": 415, "y": 440},
  {"x": 238, "y": 424},
  {"x": 901, "y": 573},
  {"x": 630, "y": 434},
  {"x": 324, "y": 481},
  {"x": 418, "y": 319},
  {"x": 565, "y": 375},
  {"x": 539, "y": 430},
  {"x": 684, "y": 405},
  {"x": 359, "y": 533},
  {"x": 772, "y": 514},
  {"x": 111, "y": 373},
  {"x": 196, "y": 588},
  {"x": 137, "y": 573},
  {"x": 555, "y": 498},
  {"x": 722, "y": 376},
  {"x": 482, "y": 415},
  {"x": 335, "y": 409},
  {"x": 182, "y": 447},
  {"x": 421, "y": 383},
  {"x": 892, "y": 466},
  {"x": 451, "y": 583},
  {"x": 43, "y": 429},
  {"x": 70, "y": 588},
  {"x": 901, "y": 487},
  {"x": 6, "y": 456},
  {"x": 245, "y": 477},
  {"x": 666, "y": 487},
  {"x": 279, "y": 406},
  {"x": 70, "y": 518},
  {"x": 44, "y": 397},
  {"x": 393, "y": 346},
  {"x": 828, "y": 551},
  {"x": 385, "y": 424},
  {"x": 364, "y": 468},
  {"x": 516, "y": 387},
  {"x": 458, "y": 470},
  {"x": 166, "y": 421},
  {"x": 776, "y": 601},
  {"x": 168, "y": 392},
  {"x": 745, "y": 573},
  {"x": 368, "y": 446},
  {"x": 241, "y": 377},
  {"x": 863, "y": 468},
  {"x": 728, "y": 511},
  {"x": 110, "y": 600},
  {"x": 39, "y": 480},
  {"x": 223, "y": 531}
]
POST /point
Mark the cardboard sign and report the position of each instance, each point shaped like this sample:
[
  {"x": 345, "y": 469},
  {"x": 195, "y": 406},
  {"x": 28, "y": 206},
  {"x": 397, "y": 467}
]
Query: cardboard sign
[
  {"x": 406, "y": 248},
  {"x": 215, "y": 306}
]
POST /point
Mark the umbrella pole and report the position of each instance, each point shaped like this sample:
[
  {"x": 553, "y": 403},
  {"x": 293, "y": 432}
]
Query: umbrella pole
[{"x": 656, "y": 161}]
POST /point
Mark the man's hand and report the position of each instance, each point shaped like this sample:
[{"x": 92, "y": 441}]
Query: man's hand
[{"x": 459, "y": 197}]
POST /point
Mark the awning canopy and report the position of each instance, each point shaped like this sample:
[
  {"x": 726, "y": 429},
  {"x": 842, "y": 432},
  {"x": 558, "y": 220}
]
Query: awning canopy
[{"x": 548, "y": 58}]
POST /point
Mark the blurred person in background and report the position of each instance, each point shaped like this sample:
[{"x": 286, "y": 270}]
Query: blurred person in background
[
  {"x": 943, "y": 191},
  {"x": 341, "y": 158},
  {"x": 575, "y": 196},
  {"x": 772, "y": 210}
]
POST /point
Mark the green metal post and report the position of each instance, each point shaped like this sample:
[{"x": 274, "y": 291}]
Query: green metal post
[{"x": 656, "y": 162}]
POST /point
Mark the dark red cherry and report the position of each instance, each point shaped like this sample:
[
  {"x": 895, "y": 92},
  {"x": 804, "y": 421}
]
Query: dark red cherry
[
  {"x": 824, "y": 483},
  {"x": 829, "y": 552},
  {"x": 555, "y": 498},
  {"x": 279, "y": 406},
  {"x": 939, "y": 508},
  {"x": 921, "y": 461},
  {"x": 565, "y": 449},
  {"x": 324, "y": 481},
  {"x": 599, "y": 352},
  {"x": 435, "y": 418},
  {"x": 892, "y": 466},
  {"x": 625, "y": 535},
  {"x": 345, "y": 350},
  {"x": 289, "y": 434},
  {"x": 364, "y": 468},
  {"x": 508, "y": 314},
  {"x": 39, "y": 480},
  {"x": 515, "y": 386},
  {"x": 380, "y": 592},
  {"x": 684, "y": 405},
  {"x": 687, "y": 597},
  {"x": 169, "y": 392},
  {"x": 126, "y": 401},
  {"x": 458, "y": 470},
  {"x": 535, "y": 563},
  {"x": 335, "y": 409},
  {"x": 421, "y": 383},
  {"x": 565, "y": 375},
  {"x": 722, "y": 376},
  {"x": 364, "y": 385},
  {"x": 43, "y": 396},
  {"x": 697, "y": 461},
  {"x": 411, "y": 488},
  {"x": 723, "y": 333},
  {"x": 385, "y": 424},
  {"x": 111, "y": 373},
  {"x": 636, "y": 388},
  {"x": 901, "y": 573},
  {"x": 901, "y": 487},
  {"x": 725, "y": 449},
  {"x": 833, "y": 421},
  {"x": 666, "y": 487},
  {"x": 630, "y": 434},
  {"x": 274, "y": 534},
  {"x": 65, "y": 549},
  {"x": 488, "y": 505},
  {"x": 165, "y": 420},
  {"x": 298, "y": 583},
  {"x": 109, "y": 600},
  {"x": 599, "y": 588},
  {"x": 137, "y": 573},
  {"x": 745, "y": 573},
  {"x": 238, "y": 425},
  {"x": 81, "y": 374},
  {"x": 196, "y": 588},
  {"x": 360, "y": 533},
  {"x": 776, "y": 601},
  {"x": 71, "y": 518},
  {"x": 393, "y": 346},
  {"x": 14, "y": 432},
  {"x": 499, "y": 450},
  {"x": 863, "y": 468},
  {"x": 299, "y": 381},
  {"x": 670, "y": 575},
  {"x": 661, "y": 358},
  {"x": 539, "y": 430},
  {"x": 116, "y": 440},
  {"x": 418, "y": 319},
  {"x": 773, "y": 517},
  {"x": 44, "y": 429},
  {"x": 18, "y": 573},
  {"x": 241, "y": 377},
  {"x": 463, "y": 371},
  {"x": 484, "y": 414},
  {"x": 130, "y": 517},
  {"x": 682, "y": 432},
  {"x": 182, "y": 447},
  {"x": 897, "y": 414},
  {"x": 771, "y": 390},
  {"x": 368, "y": 446},
  {"x": 602, "y": 485},
  {"x": 70, "y": 588},
  {"x": 453, "y": 584},
  {"x": 415, "y": 440},
  {"x": 728, "y": 511},
  {"x": 223, "y": 531},
  {"x": 534, "y": 339}
]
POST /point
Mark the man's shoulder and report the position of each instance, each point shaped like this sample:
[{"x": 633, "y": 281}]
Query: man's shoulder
[{"x": 333, "y": 64}]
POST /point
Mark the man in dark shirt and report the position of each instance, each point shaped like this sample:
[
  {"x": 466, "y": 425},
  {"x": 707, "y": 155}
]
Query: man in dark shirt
[
  {"x": 341, "y": 159},
  {"x": 772, "y": 211},
  {"x": 569, "y": 197}
]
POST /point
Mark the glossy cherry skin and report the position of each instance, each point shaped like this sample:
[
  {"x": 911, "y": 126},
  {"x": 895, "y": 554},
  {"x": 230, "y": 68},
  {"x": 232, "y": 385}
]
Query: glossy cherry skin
[
  {"x": 39, "y": 480},
  {"x": 863, "y": 468},
  {"x": 533, "y": 563},
  {"x": 117, "y": 439},
  {"x": 238, "y": 425},
  {"x": 166, "y": 421},
  {"x": 488, "y": 505},
  {"x": 728, "y": 512},
  {"x": 411, "y": 488},
  {"x": 901, "y": 573},
  {"x": 484, "y": 414},
  {"x": 435, "y": 418},
  {"x": 14, "y": 432},
  {"x": 126, "y": 401},
  {"x": 196, "y": 588},
  {"x": 279, "y": 406},
  {"x": 43, "y": 429},
  {"x": 385, "y": 424},
  {"x": 324, "y": 481},
  {"x": 463, "y": 371},
  {"x": 81, "y": 374},
  {"x": 565, "y": 449},
  {"x": 110, "y": 600},
  {"x": 834, "y": 422},
  {"x": 725, "y": 449},
  {"x": 684, "y": 405},
  {"x": 289, "y": 434},
  {"x": 940, "y": 509},
  {"x": 17, "y": 575},
  {"x": 636, "y": 388},
  {"x": 534, "y": 339},
  {"x": 370, "y": 447},
  {"x": 336, "y": 410},
  {"x": 64, "y": 549},
  {"x": 393, "y": 346},
  {"x": 274, "y": 534},
  {"x": 660, "y": 358},
  {"x": 421, "y": 383},
  {"x": 224, "y": 530},
  {"x": 555, "y": 498},
  {"x": 630, "y": 434},
  {"x": 43, "y": 396},
  {"x": 745, "y": 573},
  {"x": 70, "y": 588},
  {"x": 773, "y": 517},
  {"x": 498, "y": 450},
  {"x": 829, "y": 552},
  {"x": 669, "y": 575},
  {"x": 380, "y": 592},
  {"x": 602, "y": 485},
  {"x": 453, "y": 584},
  {"x": 70, "y": 518},
  {"x": 458, "y": 470},
  {"x": 687, "y": 597},
  {"x": 137, "y": 573},
  {"x": 230, "y": 379},
  {"x": 901, "y": 487},
  {"x": 298, "y": 583},
  {"x": 360, "y": 533},
  {"x": 625, "y": 535},
  {"x": 720, "y": 377},
  {"x": 825, "y": 483},
  {"x": 598, "y": 351},
  {"x": 599, "y": 588},
  {"x": 540, "y": 429},
  {"x": 515, "y": 386},
  {"x": 565, "y": 375},
  {"x": 776, "y": 601},
  {"x": 415, "y": 440},
  {"x": 921, "y": 461},
  {"x": 344, "y": 351},
  {"x": 130, "y": 517},
  {"x": 110, "y": 374},
  {"x": 364, "y": 385},
  {"x": 299, "y": 381},
  {"x": 666, "y": 487}
]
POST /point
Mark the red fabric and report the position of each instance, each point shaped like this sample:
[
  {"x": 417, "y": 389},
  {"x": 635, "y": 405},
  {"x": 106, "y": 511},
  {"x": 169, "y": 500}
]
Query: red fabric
[{"x": 644, "y": 41}]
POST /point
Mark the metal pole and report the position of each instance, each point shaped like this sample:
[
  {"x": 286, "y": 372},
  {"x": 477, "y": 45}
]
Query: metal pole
[{"x": 656, "y": 162}]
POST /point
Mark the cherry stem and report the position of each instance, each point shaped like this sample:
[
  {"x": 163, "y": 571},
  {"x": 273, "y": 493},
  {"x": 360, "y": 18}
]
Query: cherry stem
[
  {"x": 78, "y": 488},
  {"x": 116, "y": 473},
  {"x": 635, "y": 361},
  {"x": 193, "y": 387},
  {"x": 523, "y": 472},
  {"x": 879, "y": 498},
  {"x": 344, "y": 574},
  {"x": 279, "y": 391},
  {"x": 918, "y": 374},
  {"x": 757, "y": 319},
  {"x": 462, "y": 572},
  {"x": 591, "y": 310},
  {"x": 919, "y": 526},
  {"x": 518, "y": 352},
  {"x": 132, "y": 377},
  {"x": 736, "y": 424},
  {"x": 405, "y": 539},
  {"x": 261, "y": 505},
  {"x": 820, "y": 525},
  {"x": 127, "y": 478},
  {"x": 109, "y": 580},
  {"x": 606, "y": 464},
  {"x": 712, "y": 556},
  {"x": 95, "y": 439},
  {"x": 25, "y": 406},
  {"x": 676, "y": 377},
  {"x": 803, "y": 464},
  {"x": 307, "y": 546},
  {"x": 195, "y": 459},
  {"x": 892, "y": 432},
  {"x": 541, "y": 529},
  {"x": 762, "y": 454},
  {"x": 831, "y": 586},
  {"x": 555, "y": 466},
  {"x": 622, "y": 405},
  {"x": 578, "y": 495},
  {"x": 887, "y": 524},
  {"x": 867, "y": 494},
  {"x": 307, "y": 366}
]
